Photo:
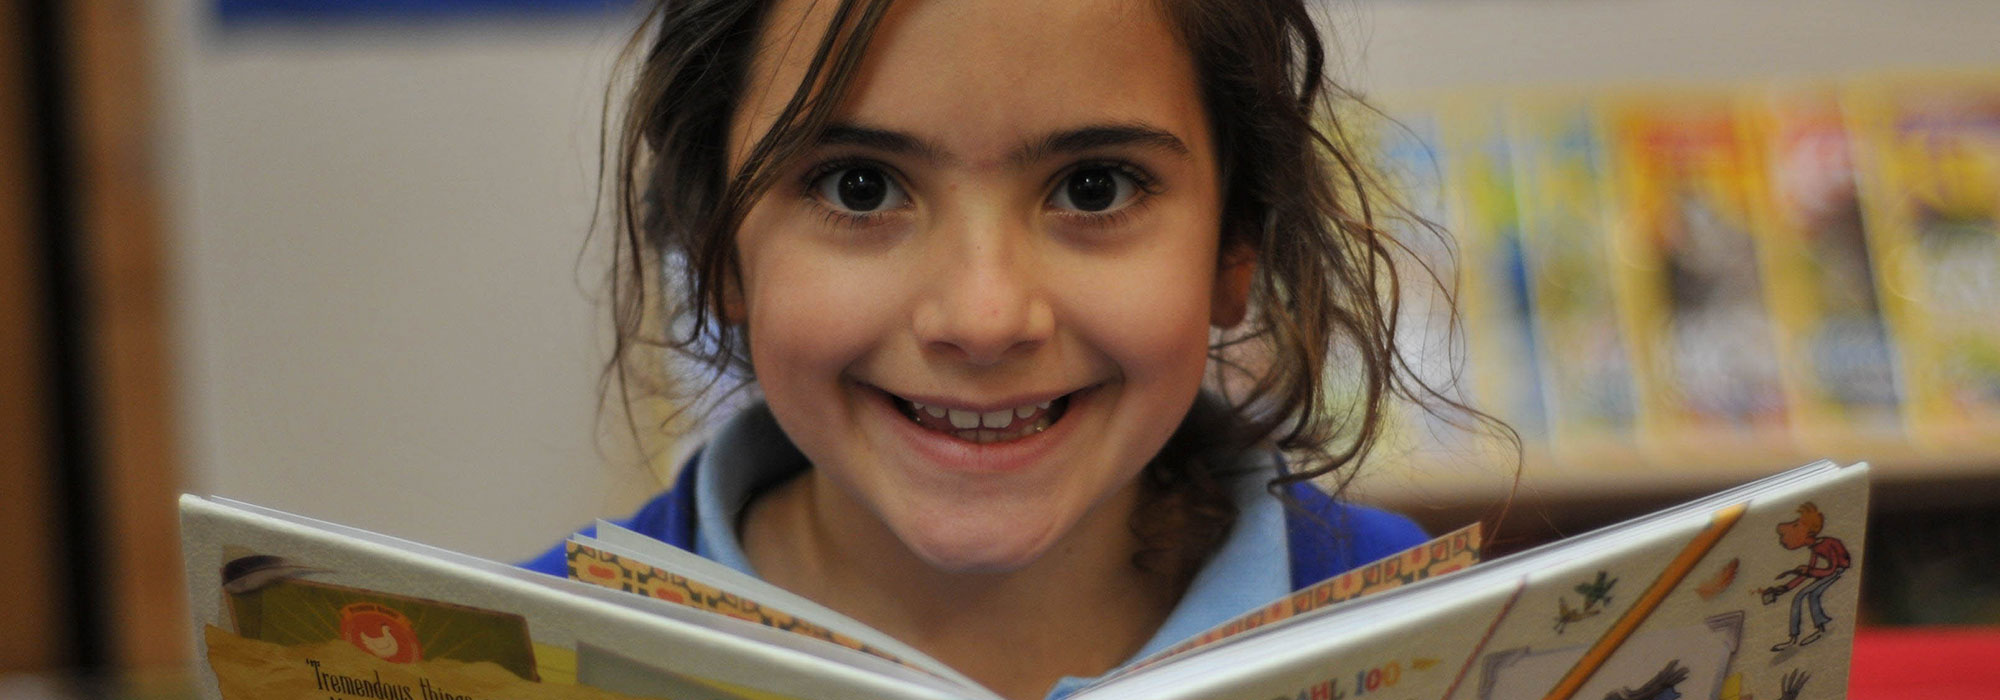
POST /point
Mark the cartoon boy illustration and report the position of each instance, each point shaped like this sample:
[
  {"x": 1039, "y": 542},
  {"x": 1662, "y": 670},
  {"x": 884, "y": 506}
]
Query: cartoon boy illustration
[{"x": 1827, "y": 561}]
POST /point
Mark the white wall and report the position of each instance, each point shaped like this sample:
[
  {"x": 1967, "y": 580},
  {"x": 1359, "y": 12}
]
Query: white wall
[
  {"x": 1421, "y": 44},
  {"x": 382, "y": 320},
  {"x": 383, "y": 317}
]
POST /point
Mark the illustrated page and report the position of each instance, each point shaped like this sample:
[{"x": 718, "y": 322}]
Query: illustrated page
[
  {"x": 295, "y": 610},
  {"x": 1754, "y": 599}
]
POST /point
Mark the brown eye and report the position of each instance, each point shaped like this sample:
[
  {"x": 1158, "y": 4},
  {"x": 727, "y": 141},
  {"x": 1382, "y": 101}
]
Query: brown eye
[
  {"x": 860, "y": 189},
  {"x": 1094, "y": 189}
]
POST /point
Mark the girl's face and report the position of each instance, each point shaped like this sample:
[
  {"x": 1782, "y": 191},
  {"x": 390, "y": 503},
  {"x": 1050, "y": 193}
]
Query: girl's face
[{"x": 981, "y": 302}]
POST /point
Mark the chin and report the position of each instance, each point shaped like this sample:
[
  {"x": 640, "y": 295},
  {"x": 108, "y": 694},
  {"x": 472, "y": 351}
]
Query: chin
[{"x": 997, "y": 549}]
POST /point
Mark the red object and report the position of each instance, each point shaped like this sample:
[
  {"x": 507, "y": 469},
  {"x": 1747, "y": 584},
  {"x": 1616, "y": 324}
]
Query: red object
[
  {"x": 381, "y": 631},
  {"x": 1925, "y": 663}
]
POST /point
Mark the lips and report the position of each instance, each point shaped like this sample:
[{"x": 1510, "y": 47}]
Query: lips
[{"x": 982, "y": 427}]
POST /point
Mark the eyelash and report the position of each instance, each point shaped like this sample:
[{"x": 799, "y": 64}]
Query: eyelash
[
  {"x": 1144, "y": 183},
  {"x": 835, "y": 217},
  {"x": 808, "y": 187}
]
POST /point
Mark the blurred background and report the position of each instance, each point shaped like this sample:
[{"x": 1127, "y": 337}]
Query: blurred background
[{"x": 331, "y": 257}]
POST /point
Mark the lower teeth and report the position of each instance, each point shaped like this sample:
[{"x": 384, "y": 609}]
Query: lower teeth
[{"x": 1001, "y": 435}]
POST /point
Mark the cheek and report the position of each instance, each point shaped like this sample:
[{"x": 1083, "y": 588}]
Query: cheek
[
  {"x": 808, "y": 315},
  {"x": 797, "y": 333},
  {"x": 1151, "y": 314}
]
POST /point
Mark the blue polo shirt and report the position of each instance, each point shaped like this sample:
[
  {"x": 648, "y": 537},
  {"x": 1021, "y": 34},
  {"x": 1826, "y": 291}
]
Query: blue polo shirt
[{"x": 1253, "y": 566}]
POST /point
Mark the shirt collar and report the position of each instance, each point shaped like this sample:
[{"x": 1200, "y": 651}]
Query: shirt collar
[
  {"x": 747, "y": 455},
  {"x": 1252, "y": 567}
]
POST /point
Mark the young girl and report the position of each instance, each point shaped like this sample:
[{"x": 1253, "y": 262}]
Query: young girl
[{"x": 981, "y": 259}]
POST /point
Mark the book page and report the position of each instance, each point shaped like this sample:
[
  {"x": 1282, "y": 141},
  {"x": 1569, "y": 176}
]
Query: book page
[
  {"x": 650, "y": 551},
  {"x": 1751, "y": 592},
  {"x": 1452, "y": 552},
  {"x": 603, "y": 565},
  {"x": 290, "y": 608}
]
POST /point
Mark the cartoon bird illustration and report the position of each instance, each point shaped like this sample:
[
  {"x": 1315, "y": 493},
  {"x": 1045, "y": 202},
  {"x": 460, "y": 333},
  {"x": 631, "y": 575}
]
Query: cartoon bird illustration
[
  {"x": 245, "y": 574},
  {"x": 1792, "y": 683},
  {"x": 382, "y": 644},
  {"x": 382, "y": 631},
  {"x": 1566, "y": 614},
  {"x": 1597, "y": 592},
  {"x": 1661, "y": 687}
]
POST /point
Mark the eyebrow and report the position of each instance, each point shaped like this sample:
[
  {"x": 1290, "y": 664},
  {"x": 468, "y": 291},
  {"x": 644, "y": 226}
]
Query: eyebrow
[
  {"x": 1067, "y": 141},
  {"x": 896, "y": 142},
  {"x": 1093, "y": 137}
]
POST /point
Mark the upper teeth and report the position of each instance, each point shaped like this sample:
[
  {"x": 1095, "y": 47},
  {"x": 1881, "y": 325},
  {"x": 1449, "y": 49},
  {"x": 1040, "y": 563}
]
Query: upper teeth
[{"x": 967, "y": 420}]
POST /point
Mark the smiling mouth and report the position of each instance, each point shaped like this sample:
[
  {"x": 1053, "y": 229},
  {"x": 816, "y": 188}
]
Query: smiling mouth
[{"x": 984, "y": 427}]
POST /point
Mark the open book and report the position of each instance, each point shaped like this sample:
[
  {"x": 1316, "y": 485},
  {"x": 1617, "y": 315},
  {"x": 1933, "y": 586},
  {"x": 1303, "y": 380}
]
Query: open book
[{"x": 1747, "y": 594}]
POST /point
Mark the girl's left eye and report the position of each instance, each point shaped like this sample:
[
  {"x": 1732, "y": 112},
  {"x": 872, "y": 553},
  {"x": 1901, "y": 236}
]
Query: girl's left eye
[{"x": 1095, "y": 189}]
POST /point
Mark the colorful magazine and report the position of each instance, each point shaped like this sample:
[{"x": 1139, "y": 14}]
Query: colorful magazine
[
  {"x": 1692, "y": 269},
  {"x": 1825, "y": 297},
  {"x": 1498, "y": 301},
  {"x": 1929, "y": 163},
  {"x": 1415, "y": 163},
  {"x": 1563, "y": 199}
]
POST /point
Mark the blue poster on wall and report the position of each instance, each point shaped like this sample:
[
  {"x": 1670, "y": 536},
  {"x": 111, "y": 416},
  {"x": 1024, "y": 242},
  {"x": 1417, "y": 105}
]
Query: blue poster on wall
[{"x": 258, "y": 11}]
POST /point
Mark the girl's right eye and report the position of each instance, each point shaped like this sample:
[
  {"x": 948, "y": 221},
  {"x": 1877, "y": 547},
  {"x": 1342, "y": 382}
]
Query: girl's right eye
[{"x": 859, "y": 189}]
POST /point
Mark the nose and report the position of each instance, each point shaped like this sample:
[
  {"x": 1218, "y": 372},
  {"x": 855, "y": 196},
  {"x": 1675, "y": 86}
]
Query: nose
[{"x": 985, "y": 302}]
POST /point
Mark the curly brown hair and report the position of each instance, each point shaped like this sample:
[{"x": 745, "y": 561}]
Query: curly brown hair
[{"x": 1296, "y": 197}]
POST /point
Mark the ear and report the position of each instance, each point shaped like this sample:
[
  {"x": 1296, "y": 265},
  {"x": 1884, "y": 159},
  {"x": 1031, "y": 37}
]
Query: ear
[
  {"x": 1230, "y": 300},
  {"x": 734, "y": 311}
]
